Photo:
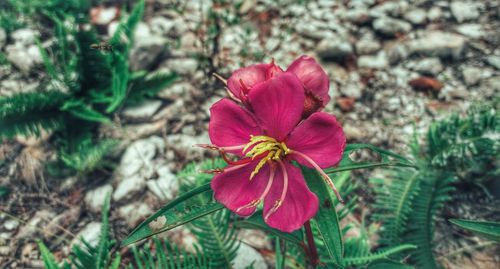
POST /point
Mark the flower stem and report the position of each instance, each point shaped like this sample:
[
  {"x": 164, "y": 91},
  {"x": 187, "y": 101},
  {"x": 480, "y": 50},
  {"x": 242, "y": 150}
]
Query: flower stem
[{"x": 313, "y": 252}]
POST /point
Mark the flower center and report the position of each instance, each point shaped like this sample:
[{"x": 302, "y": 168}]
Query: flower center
[{"x": 264, "y": 145}]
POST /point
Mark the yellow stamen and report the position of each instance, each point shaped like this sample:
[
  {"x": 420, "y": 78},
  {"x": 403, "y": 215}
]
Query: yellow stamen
[{"x": 264, "y": 145}]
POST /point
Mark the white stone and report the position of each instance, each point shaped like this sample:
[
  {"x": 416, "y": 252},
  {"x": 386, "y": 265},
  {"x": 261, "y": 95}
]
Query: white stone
[
  {"x": 183, "y": 66},
  {"x": 429, "y": 66},
  {"x": 166, "y": 186},
  {"x": 358, "y": 16},
  {"x": 129, "y": 187},
  {"x": 95, "y": 198},
  {"x": 376, "y": 62},
  {"x": 471, "y": 30},
  {"x": 11, "y": 224},
  {"x": 144, "y": 110},
  {"x": 24, "y": 58},
  {"x": 105, "y": 15},
  {"x": 391, "y": 27},
  {"x": 135, "y": 212},
  {"x": 247, "y": 256},
  {"x": 176, "y": 90},
  {"x": 464, "y": 11},
  {"x": 161, "y": 25},
  {"x": 435, "y": 13},
  {"x": 335, "y": 48},
  {"x": 416, "y": 16},
  {"x": 437, "y": 43},
  {"x": 494, "y": 60},
  {"x": 472, "y": 75},
  {"x": 367, "y": 46},
  {"x": 90, "y": 234},
  {"x": 138, "y": 155},
  {"x": 24, "y": 36}
]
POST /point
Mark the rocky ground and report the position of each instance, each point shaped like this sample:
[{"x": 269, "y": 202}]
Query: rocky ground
[{"x": 394, "y": 66}]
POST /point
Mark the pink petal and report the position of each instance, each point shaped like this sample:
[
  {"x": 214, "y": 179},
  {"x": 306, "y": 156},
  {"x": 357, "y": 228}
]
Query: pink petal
[
  {"x": 313, "y": 77},
  {"x": 321, "y": 138},
  {"x": 243, "y": 79},
  {"x": 234, "y": 190},
  {"x": 299, "y": 205},
  {"x": 278, "y": 104},
  {"x": 231, "y": 125}
]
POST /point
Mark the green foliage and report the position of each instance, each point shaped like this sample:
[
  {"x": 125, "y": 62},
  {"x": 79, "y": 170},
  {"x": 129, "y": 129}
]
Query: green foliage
[
  {"x": 83, "y": 86},
  {"x": 466, "y": 145},
  {"x": 4, "y": 191},
  {"x": 408, "y": 203},
  {"x": 165, "y": 256},
  {"x": 487, "y": 229},
  {"x": 30, "y": 113}
]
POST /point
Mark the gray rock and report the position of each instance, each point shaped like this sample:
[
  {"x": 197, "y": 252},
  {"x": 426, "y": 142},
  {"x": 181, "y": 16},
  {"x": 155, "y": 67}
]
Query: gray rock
[
  {"x": 10, "y": 224},
  {"x": 397, "y": 52},
  {"x": 441, "y": 44},
  {"x": 494, "y": 60},
  {"x": 416, "y": 16},
  {"x": 357, "y": 16},
  {"x": 464, "y": 11},
  {"x": 471, "y": 75},
  {"x": 183, "y": 66},
  {"x": 3, "y": 38},
  {"x": 90, "y": 234},
  {"x": 428, "y": 66},
  {"x": 374, "y": 62},
  {"x": 390, "y": 27},
  {"x": 24, "y": 58},
  {"x": 176, "y": 90},
  {"x": 435, "y": 13},
  {"x": 94, "y": 199},
  {"x": 24, "y": 36},
  {"x": 40, "y": 219},
  {"x": 129, "y": 187},
  {"x": 166, "y": 186},
  {"x": 471, "y": 30},
  {"x": 161, "y": 26},
  {"x": 147, "y": 51},
  {"x": 142, "y": 111},
  {"x": 367, "y": 46},
  {"x": 247, "y": 256},
  {"x": 492, "y": 83},
  {"x": 334, "y": 48},
  {"x": 135, "y": 212},
  {"x": 138, "y": 156}
]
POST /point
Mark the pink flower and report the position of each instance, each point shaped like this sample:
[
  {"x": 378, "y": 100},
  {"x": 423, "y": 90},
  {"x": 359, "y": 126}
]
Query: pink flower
[
  {"x": 313, "y": 78},
  {"x": 267, "y": 141}
]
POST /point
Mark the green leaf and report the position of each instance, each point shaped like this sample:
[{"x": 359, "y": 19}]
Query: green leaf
[
  {"x": 387, "y": 264},
  {"x": 257, "y": 222},
  {"x": 48, "y": 259},
  {"x": 487, "y": 229},
  {"x": 326, "y": 218},
  {"x": 172, "y": 215},
  {"x": 280, "y": 254},
  {"x": 385, "y": 153},
  {"x": 83, "y": 111}
]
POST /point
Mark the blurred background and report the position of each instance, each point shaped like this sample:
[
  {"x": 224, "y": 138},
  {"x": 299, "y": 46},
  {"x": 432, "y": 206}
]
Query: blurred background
[{"x": 394, "y": 68}]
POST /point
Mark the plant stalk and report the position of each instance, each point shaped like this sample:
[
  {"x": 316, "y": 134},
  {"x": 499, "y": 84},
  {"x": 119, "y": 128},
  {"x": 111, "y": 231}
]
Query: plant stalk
[{"x": 312, "y": 250}]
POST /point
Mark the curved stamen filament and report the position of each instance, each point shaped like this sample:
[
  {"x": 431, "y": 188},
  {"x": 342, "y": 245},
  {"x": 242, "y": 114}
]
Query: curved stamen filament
[
  {"x": 256, "y": 202},
  {"x": 223, "y": 170},
  {"x": 325, "y": 177},
  {"x": 279, "y": 202}
]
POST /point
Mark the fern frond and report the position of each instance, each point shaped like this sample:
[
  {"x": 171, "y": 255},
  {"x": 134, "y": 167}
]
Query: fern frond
[
  {"x": 48, "y": 259},
  {"x": 89, "y": 155},
  {"x": 163, "y": 255},
  {"x": 394, "y": 204},
  {"x": 433, "y": 194},
  {"x": 382, "y": 254},
  {"x": 30, "y": 113}
]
